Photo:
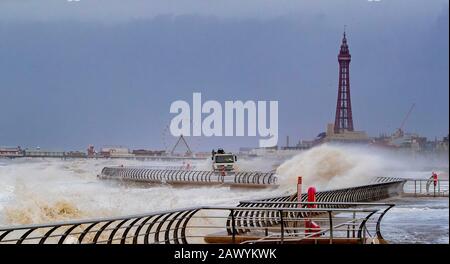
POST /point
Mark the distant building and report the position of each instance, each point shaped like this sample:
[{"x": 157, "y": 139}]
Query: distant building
[
  {"x": 91, "y": 151},
  {"x": 11, "y": 152},
  {"x": 411, "y": 142},
  {"x": 76, "y": 154},
  {"x": 345, "y": 136},
  {"x": 42, "y": 153},
  {"x": 115, "y": 152},
  {"x": 442, "y": 146}
]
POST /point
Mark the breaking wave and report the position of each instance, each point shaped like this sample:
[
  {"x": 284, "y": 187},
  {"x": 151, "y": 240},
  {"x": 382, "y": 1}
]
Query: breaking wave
[
  {"x": 39, "y": 190},
  {"x": 337, "y": 166},
  {"x": 42, "y": 212}
]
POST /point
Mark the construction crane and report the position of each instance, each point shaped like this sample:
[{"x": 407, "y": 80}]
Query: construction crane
[{"x": 399, "y": 132}]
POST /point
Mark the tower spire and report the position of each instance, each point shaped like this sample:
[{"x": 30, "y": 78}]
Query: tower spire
[{"x": 344, "y": 120}]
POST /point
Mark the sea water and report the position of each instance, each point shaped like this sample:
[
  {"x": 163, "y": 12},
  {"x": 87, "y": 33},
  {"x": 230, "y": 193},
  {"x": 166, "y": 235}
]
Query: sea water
[{"x": 46, "y": 190}]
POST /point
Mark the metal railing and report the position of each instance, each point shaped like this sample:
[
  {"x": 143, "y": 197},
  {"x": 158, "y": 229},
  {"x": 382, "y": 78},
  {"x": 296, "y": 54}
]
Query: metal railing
[
  {"x": 163, "y": 167},
  {"x": 202, "y": 224},
  {"x": 358, "y": 220},
  {"x": 426, "y": 187},
  {"x": 281, "y": 219},
  {"x": 381, "y": 188},
  {"x": 188, "y": 176}
]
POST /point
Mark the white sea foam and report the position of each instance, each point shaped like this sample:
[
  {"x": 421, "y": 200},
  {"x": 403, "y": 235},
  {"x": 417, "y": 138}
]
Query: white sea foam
[
  {"x": 38, "y": 190},
  {"x": 337, "y": 166}
]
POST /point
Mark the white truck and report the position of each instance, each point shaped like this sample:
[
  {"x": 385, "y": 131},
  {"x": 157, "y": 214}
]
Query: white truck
[{"x": 223, "y": 162}]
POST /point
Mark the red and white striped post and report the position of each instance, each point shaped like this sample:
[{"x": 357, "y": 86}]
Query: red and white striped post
[{"x": 299, "y": 191}]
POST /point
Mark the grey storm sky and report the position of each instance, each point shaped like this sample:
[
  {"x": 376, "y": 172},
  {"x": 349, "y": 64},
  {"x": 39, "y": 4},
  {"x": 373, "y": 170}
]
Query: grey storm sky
[{"x": 105, "y": 72}]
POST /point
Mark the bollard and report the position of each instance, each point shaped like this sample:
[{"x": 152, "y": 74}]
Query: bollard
[
  {"x": 311, "y": 226},
  {"x": 312, "y": 197}
]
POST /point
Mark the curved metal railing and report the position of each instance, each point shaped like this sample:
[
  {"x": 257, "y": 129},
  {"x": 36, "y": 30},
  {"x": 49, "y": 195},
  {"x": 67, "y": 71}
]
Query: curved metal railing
[
  {"x": 381, "y": 188},
  {"x": 188, "y": 176},
  {"x": 198, "y": 225},
  {"x": 164, "y": 167},
  {"x": 334, "y": 223},
  {"x": 267, "y": 220}
]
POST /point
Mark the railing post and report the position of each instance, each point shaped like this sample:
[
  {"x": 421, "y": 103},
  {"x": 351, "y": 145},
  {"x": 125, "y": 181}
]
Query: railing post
[
  {"x": 420, "y": 186},
  {"x": 439, "y": 187},
  {"x": 364, "y": 233},
  {"x": 282, "y": 226},
  {"x": 378, "y": 227},
  {"x": 415, "y": 188},
  {"x": 354, "y": 217},
  {"x": 233, "y": 227},
  {"x": 331, "y": 226}
]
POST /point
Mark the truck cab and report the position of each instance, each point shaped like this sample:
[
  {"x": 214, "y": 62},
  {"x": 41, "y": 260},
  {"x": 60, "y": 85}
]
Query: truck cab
[{"x": 223, "y": 161}]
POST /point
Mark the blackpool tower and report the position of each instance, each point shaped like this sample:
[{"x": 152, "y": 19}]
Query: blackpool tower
[{"x": 344, "y": 121}]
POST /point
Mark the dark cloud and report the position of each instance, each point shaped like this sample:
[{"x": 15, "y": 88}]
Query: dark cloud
[{"x": 67, "y": 83}]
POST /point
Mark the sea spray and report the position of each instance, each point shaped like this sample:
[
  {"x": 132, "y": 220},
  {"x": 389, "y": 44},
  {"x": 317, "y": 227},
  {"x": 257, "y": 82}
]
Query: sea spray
[
  {"x": 41, "y": 190},
  {"x": 41, "y": 212},
  {"x": 51, "y": 190},
  {"x": 331, "y": 166}
]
